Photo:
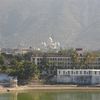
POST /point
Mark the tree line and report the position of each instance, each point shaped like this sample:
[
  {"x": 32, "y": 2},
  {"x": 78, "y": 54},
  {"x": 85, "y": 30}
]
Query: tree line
[{"x": 21, "y": 65}]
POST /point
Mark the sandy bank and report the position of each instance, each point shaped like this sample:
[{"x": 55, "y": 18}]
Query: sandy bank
[{"x": 52, "y": 87}]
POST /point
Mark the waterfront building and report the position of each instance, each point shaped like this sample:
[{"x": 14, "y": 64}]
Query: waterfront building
[
  {"x": 64, "y": 62},
  {"x": 69, "y": 72},
  {"x": 78, "y": 76}
]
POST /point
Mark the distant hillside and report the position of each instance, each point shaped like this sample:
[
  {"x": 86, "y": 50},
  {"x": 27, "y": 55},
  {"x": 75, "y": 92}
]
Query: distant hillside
[{"x": 74, "y": 23}]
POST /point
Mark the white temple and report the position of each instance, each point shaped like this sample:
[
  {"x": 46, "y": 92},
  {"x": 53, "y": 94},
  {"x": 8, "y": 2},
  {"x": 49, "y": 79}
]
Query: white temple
[{"x": 51, "y": 45}]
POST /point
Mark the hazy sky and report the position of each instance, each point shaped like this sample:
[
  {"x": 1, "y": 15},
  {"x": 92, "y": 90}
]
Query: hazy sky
[{"x": 74, "y": 23}]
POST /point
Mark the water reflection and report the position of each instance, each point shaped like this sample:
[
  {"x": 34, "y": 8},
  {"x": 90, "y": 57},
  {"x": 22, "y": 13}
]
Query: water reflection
[
  {"x": 51, "y": 96},
  {"x": 7, "y": 96}
]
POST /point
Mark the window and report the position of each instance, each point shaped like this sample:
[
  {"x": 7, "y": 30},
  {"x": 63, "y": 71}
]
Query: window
[
  {"x": 76, "y": 72},
  {"x": 95, "y": 72},
  {"x": 38, "y": 63},
  {"x": 68, "y": 72},
  {"x": 59, "y": 72},
  {"x": 50, "y": 58},
  {"x": 33, "y": 58},
  {"x": 58, "y": 59},
  {"x": 55, "y": 59},
  {"x": 38, "y": 59},
  {"x": 80, "y": 72},
  {"x": 84, "y": 72},
  {"x": 89, "y": 72},
  {"x": 63, "y": 72}
]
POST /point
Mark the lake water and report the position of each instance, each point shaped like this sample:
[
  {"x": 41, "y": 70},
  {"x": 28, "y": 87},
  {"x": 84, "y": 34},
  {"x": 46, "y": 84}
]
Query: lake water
[{"x": 32, "y": 95}]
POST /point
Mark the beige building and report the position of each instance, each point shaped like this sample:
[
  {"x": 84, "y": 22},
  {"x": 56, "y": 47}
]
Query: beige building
[{"x": 64, "y": 62}]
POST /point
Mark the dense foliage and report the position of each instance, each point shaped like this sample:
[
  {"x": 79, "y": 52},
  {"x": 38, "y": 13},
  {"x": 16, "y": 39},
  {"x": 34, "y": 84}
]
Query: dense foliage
[{"x": 20, "y": 66}]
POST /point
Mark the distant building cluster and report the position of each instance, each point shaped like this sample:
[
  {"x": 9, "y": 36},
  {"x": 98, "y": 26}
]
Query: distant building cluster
[
  {"x": 15, "y": 51},
  {"x": 49, "y": 46}
]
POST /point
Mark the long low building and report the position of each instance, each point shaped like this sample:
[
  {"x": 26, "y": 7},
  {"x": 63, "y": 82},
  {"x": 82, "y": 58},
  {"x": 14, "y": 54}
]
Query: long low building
[
  {"x": 78, "y": 76},
  {"x": 63, "y": 62}
]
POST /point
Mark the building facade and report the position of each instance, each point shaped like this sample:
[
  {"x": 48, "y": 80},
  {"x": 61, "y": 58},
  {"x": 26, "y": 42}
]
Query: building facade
[
  {"x": 78, "y": 76},
  {"x": 65, "y": 62},
  {"x": 68, "y": 72}
]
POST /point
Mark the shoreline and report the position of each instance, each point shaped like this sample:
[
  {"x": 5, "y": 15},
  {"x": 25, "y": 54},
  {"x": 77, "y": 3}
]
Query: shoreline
[{"x": 51, "y": 88}]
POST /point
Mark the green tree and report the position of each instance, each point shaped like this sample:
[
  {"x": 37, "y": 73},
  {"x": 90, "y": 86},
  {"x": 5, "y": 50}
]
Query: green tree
[
  {"x": 2, "y": 63},
  {"x": 1, "y": 60},
  {"x": 25, "y": 70},
  {"x": 88, "y": 59},
  {"x": 74, "y": 59},
  {"x": 27, "y": 56}
]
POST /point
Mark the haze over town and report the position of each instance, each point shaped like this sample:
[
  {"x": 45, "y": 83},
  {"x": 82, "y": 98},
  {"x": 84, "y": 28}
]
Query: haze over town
[{"x": 74, "y": 23}]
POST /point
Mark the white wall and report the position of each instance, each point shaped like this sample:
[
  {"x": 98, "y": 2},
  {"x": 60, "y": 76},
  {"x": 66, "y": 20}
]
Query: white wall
[
  {"x": 90, "y": 78},
  {"x": 64, "y": 79},
  {"x": 4, "y": 77}
]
